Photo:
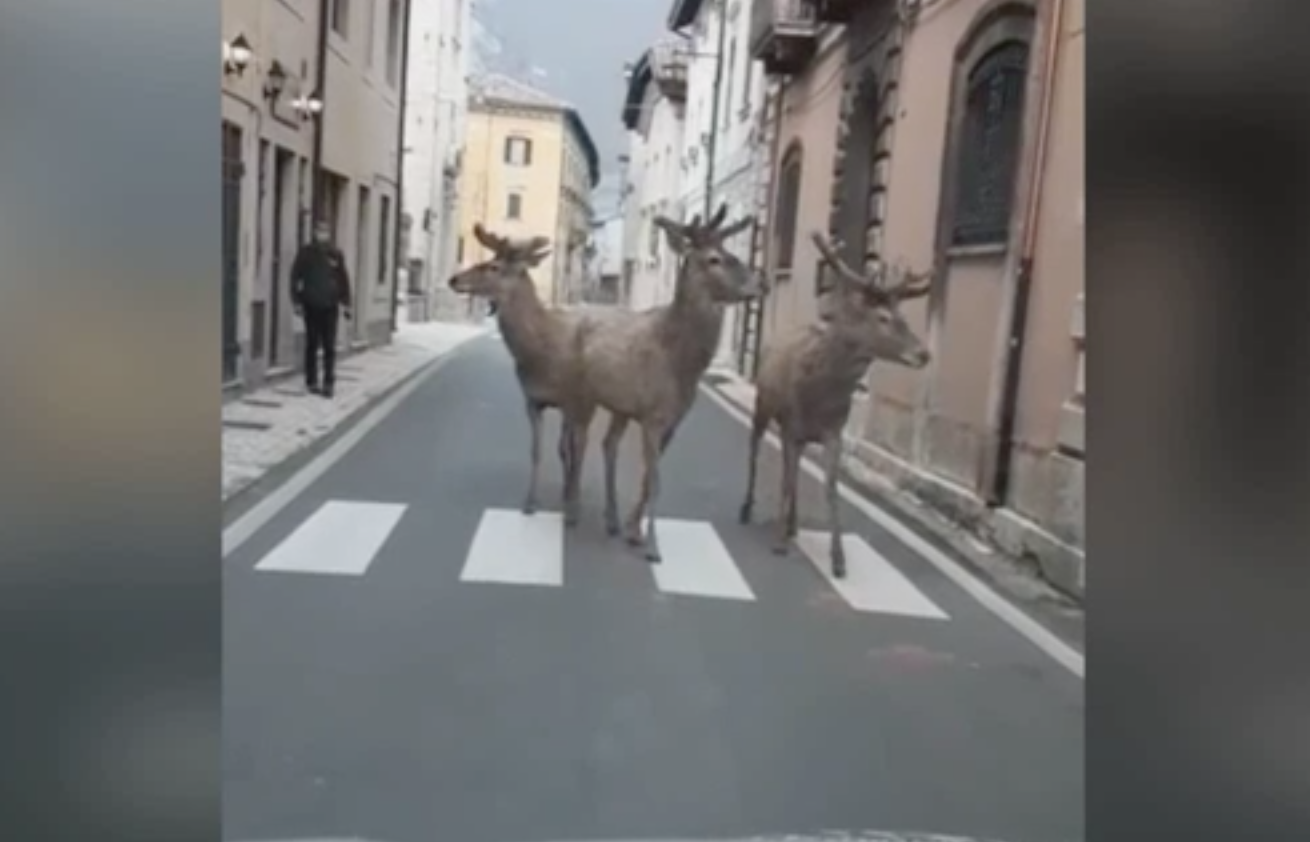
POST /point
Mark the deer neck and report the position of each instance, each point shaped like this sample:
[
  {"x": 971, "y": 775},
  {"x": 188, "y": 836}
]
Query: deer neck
[
  {"x": 846, "y": 354},
  {"x": 522, "y": 319},
  {"x": 690, "y": 328}
]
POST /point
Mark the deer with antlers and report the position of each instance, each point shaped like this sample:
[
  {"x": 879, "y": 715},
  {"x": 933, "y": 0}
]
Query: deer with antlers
[
  {"x": 644, "y": 366},
  {"x": 807, "y": 382},
  {"x": 538, "y": 338}
]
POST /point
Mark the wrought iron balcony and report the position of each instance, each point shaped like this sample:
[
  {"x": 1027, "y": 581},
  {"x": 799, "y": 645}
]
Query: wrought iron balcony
[
  {"x": 836, "y": 11},
  {"x": 784, "y": 35},
  {"x": 668, "y": 67}
]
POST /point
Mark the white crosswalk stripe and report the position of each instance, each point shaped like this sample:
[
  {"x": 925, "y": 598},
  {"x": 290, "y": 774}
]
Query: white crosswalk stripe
[
  {"x": 872, "y": 583},
  {"x": 513, "y": 548},
  {"x": 340, "y": 539},
  {"x": 343, "y": 538},
  {"x": 694, "y": 562}
]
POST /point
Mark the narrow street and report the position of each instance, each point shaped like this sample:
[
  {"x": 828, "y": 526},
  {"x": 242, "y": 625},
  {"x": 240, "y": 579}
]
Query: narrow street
[{"x": 409, "y": 659}]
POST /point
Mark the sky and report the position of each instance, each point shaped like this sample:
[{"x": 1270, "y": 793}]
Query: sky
[{"x": 575, "y": 50}]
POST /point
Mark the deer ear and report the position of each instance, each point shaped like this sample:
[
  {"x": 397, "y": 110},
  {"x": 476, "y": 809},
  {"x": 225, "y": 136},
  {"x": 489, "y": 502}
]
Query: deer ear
[
  {"x": 535, "y": 257},
  {"x": 674, "y": 233}
]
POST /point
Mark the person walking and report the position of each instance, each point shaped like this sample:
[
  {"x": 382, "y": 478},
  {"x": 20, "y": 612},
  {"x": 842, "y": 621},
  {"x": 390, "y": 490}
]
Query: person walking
[{"x": 320, "y": 293}]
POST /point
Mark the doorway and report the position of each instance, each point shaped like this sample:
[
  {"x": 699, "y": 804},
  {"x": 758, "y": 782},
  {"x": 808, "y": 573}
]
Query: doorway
[
  {"x": 283, "y": 171},
  {"x": 362, "y": 222},
  {"x": 233, "y": 172}
]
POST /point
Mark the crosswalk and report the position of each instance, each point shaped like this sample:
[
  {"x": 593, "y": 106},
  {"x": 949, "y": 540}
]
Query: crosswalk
[{"x": 343, "y": 538}]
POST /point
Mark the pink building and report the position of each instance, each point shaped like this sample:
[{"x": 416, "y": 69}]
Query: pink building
[{"x": 948, "y": 132}]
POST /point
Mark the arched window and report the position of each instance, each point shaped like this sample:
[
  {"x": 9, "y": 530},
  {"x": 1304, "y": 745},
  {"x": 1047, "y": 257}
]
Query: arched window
[
  {"x": 786, "y": 210},
  {"x": 994, "y": 74}
]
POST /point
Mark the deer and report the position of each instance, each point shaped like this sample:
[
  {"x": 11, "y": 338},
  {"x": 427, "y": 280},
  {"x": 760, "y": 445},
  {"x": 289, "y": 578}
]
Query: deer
[
  {"x": 537, "y": 337},
  {"x": 807, "y": 381},
  {"x": 645, "y": 366}
]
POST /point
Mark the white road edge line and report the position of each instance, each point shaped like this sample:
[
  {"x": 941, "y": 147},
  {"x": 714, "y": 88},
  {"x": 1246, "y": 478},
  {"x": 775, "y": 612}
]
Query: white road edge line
[
  {"x": 1040, "y": 636},
  {"x": 240, "y": 530}
]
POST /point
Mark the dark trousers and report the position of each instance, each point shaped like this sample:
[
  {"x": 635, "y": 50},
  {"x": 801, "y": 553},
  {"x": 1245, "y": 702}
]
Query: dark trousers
[{"x": 321, "y": 333}]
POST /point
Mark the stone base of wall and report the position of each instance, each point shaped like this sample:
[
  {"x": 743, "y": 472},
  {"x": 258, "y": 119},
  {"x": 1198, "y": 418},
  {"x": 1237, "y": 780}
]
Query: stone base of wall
[{"x": 1060, "y": 563}]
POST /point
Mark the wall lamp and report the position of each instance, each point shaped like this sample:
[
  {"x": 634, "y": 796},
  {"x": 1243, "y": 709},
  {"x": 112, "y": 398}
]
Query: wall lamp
[
  {"x": 275, "y": 80},
  {"x": 309, "y": 106},
  {"x": 237, "y": 55}
]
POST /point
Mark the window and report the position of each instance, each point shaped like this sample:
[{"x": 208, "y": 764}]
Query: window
[
  {"x": 341, "y": 17},
  {"x": 393, "y": 41},
  {"x": 384, "y": 237},
  {"x": 514, "y": 205},
  {"x": 728, "y": 70},
  {"x": 788, "y": 201},
  {"x": 371, "y": 34},
  {"x": 990, "y": 133},
  {"x": 745, "y": 112},
  {"x": 459, "y": 251},
  {"x": 518, "y": 151}
]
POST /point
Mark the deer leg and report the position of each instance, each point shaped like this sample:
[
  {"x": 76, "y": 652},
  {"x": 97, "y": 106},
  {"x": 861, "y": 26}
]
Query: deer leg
[
  {"x": 576, "y": 450},
  {"x": 787, "y": 497},
  {"x": 748, "y": 504},
  {"x": 610, "y": 445},
  {"x": 651, "y": 440},
  {"x": 831, "y": 469},
  {"x": 535, "y": 411}
]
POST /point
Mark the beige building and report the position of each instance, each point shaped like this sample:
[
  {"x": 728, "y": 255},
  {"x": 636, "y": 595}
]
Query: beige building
[
  {"x": 274, "y": 104},
  {"x": 529, "y": 169},
  {"x": 948, "y": 133}
]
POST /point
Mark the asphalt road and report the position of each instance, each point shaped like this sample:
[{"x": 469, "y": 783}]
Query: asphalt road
[{"x": 408, "y": 659}]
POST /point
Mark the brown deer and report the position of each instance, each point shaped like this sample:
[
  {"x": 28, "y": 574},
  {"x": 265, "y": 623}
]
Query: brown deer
[
  {"x": 538, "y": 338},
  {"x": 644, "y": 366},
  {"x": 806, "y": 382}
]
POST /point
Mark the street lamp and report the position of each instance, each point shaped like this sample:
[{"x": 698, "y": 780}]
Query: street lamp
[
  {"x": 237, "y": 54},
  {"x": 309, "y": 106},
  {"x": 275, "y": 80}
]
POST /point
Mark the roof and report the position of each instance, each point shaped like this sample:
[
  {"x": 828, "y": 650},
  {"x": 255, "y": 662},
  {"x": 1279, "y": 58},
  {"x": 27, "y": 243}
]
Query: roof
[
  {"x": 638, "y": 79},
  {"x": 498, "y": 88},
  {"x": 684, "y": 13}
]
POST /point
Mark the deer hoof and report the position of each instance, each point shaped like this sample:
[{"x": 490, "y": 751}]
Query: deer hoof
[
  {"x": 570, "y": 519},
  {"x": 839, "y": 568},
  {"x": 530, "y": 507},
  {"x": 612, "y": 526},
  {"x": 781, "y": 548},
  {"x": 744, "y": 516},
  {"x": 652, "y": 554}
]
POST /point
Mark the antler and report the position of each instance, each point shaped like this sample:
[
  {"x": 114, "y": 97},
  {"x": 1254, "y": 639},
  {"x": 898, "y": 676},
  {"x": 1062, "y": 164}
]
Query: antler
[
  {"x": 494, "y": 242},
  {"x": 909, "y": 284},
  {"x": 831, "y": 257},
  {"x": 717, "y": 219}
]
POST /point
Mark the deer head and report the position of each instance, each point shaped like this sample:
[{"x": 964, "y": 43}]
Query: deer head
[
  {"x": 707, "y": 264},
  {"x": 870, "y": 304},
  {"x": 508, "y": 266}
]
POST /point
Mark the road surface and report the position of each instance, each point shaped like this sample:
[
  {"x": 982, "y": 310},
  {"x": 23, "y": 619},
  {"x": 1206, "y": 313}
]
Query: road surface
[{"x": 409, "y": 659}]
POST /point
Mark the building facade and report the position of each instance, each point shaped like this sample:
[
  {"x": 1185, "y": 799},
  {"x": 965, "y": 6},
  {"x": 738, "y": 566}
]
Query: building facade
[
  {"x": 948, "y": 134},
  {"x": 653, "y": 114},
  {"x": 283, "y": 98},
  {"x": 436, "y": 114},
  {"x": 530, "y": 167},
  {"x": 722, "y": 158}
]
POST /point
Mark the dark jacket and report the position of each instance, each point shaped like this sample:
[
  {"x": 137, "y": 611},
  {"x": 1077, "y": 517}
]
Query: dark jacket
[{"x": 319, "y": 278}]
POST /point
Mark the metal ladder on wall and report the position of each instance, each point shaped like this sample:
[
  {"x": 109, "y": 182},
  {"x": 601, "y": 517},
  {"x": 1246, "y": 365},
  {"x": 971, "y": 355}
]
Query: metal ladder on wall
[{"x": 752, "y": 313}]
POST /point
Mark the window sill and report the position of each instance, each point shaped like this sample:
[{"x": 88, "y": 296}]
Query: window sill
[{"x": 982, "y": 250}]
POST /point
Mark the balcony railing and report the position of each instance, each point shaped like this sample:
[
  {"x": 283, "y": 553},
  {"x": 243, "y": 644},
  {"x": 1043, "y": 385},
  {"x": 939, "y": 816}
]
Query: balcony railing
[
  {"x": 668, "y": 68},
  {"x": 784, "y": 34}
]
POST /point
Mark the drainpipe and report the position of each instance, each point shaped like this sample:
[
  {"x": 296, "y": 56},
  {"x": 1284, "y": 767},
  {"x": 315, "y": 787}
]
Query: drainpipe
[
  {"x": 1004, "y": 412},
  {"x": 400, "y": 167},
  {"x": 712, "y": 149},
  {"x": 320, "y": 75}
]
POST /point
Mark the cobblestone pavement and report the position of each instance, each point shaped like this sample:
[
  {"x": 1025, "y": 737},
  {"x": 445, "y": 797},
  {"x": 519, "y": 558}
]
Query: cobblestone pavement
[{"x": 265, "y": 427}]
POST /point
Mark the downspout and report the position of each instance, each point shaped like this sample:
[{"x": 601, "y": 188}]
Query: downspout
[
  {"x": 1005, "y": 412},
  {"x": 400, "y": 167},
  {"x": 711, "y": 148},
  {"x": 320, "y": 73}
]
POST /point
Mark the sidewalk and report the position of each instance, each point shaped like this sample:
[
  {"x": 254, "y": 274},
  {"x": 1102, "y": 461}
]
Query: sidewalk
[
  {"x": 265, "y": 428},
  {"x": 1017, "y": 578}
]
